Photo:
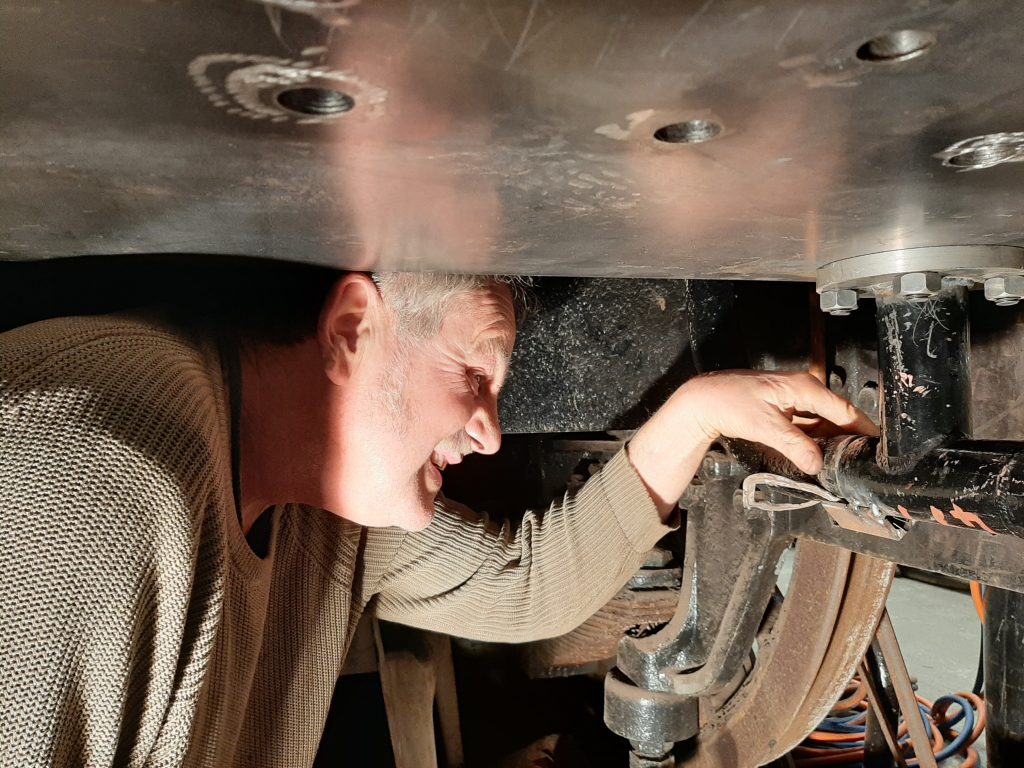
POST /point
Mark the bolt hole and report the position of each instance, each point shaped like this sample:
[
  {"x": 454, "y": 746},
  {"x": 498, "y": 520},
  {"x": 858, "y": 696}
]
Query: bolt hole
[
  {"x": 896, "y": 46},
  {"x": 689, "y": 132},
  {"x": 984, "y": 155},
  {"x": 315, "y": 101}
]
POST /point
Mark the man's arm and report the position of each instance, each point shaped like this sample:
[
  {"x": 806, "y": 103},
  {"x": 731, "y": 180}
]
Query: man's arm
[
  {"x": 474, "y": 577},
  {"x": 750, "y": 405},
  {"x": 469, "y": 576}
]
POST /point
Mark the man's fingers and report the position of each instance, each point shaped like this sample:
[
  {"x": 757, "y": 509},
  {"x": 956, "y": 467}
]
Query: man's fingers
[
  {"x": 780, "y": 433},
  {"x": 819, "y": 428},
  {"x": 809, "y": 395},
  {"x": 864, "y": 425}
]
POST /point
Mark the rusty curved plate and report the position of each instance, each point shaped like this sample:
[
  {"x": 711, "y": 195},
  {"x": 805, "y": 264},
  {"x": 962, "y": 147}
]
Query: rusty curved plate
[
  {"x": 863, "y": 605},
  {"x": 804, "y": 659}
]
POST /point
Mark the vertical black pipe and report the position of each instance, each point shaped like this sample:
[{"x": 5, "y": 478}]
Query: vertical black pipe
[
  {"x": 1004, "y": 678},
  {"x": 876, "y": 750},
  {"x": 884, "y": 707},
  {"x": 924, "y": 358}
]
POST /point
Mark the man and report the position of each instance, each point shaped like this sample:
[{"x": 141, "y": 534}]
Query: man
[{"x": 175, "y": 593}]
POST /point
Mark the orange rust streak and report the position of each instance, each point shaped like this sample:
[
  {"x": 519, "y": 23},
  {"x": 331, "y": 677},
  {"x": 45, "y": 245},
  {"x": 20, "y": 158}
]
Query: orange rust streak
[
  {"x": 939, "y": 515},
  {"x": 969, "y": 519}
]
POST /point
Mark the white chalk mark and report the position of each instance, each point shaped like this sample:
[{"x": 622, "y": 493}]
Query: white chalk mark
[
  {"x": 683, "y": 29},
  {"x": 521, "y": 43},
  {"x": 274, "y": 16},
  {"x": 613, "y": 33},
  {"x": 789, "y": 29},
  {"x": 497, "y": 26},
  {"x": 752, "y": 12},
  {"x": 928, "y": 346}
]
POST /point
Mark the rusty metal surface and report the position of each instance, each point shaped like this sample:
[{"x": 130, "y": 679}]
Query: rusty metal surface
[
  {"x": 700, "y": 650},
  {"x": 807, "y": 649},
  {"x": 906, "y": 696},
  {"x": 883, "y": 704},
  {"x": 803, "y": 663},
  {"x": 741, "y": 732},
  {"x": 516, "y": 136},
  {"x": 863, "y": 603}
]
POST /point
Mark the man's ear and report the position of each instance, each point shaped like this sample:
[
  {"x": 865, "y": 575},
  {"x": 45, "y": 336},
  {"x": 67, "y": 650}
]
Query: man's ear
[{"x": 350, "y": 323}]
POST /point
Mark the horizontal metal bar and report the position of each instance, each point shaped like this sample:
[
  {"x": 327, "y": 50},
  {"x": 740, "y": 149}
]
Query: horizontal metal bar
[{"x": 972, "y": 484}]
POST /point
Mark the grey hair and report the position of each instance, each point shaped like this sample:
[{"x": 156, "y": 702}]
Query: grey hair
[{"x": 420, "y": 300}]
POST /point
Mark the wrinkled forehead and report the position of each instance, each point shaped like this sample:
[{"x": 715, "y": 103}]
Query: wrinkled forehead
[{"x": 485, "y": 318}]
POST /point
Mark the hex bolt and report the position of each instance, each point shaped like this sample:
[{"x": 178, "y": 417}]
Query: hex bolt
[
  {"x": 1005, "y": 291},
  {"x": 651, "y": 754},
  {"x": 838, "y": 303},
  {"x": 917, "y": 286}
]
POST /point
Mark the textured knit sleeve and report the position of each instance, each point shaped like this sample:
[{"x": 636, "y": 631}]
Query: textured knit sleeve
[
  {"x": 109, "y": 595},
  {"x": 470, "y": 576}
]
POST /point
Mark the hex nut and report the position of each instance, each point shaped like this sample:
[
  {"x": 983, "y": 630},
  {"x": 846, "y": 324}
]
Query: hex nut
[
  {"x": 868, "y": 400},
  {"x": 1005, "y": 291},
  {"x": 658, "y": 557},
  {"x": 838, "y": 303},
  {"x": 917, "y": 284}
]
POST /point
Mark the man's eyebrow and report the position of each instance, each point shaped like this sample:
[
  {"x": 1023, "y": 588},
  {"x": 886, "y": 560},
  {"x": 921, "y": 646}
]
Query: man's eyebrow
[{"x": 497, "y": 347}]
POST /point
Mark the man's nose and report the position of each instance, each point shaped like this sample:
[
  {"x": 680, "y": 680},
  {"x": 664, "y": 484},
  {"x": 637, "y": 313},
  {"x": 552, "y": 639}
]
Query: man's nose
[{"x": 484, "y": 429}]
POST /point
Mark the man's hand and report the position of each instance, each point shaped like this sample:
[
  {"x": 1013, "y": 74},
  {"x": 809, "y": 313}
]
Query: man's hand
[{"x": 751, "y": 405}]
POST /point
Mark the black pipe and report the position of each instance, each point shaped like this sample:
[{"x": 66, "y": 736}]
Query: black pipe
[
  {"x": 924, "y": 360},
  {"x": 971, "y": 484},
  {"x": 1004, "y": 677}
]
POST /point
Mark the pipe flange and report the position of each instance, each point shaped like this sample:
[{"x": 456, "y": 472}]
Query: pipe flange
[
  {"x": 841, "y": 282},
  {"x": 976, "y": 263}
]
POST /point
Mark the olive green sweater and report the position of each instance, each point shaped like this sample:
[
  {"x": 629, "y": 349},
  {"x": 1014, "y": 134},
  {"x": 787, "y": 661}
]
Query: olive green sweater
[{"x": 137, "y": 627}]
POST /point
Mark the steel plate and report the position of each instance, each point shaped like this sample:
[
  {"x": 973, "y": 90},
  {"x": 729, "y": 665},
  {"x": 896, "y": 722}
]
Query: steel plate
[{"x": 512, "y": 136}]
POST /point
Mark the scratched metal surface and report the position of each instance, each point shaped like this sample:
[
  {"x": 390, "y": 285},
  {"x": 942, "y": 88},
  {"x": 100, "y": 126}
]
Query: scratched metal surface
[{"x": 505, "y": 136}]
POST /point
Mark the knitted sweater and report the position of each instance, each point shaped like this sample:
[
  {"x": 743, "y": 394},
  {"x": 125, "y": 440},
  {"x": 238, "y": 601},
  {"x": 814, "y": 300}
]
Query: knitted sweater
[{"x": 137, "y": 627}]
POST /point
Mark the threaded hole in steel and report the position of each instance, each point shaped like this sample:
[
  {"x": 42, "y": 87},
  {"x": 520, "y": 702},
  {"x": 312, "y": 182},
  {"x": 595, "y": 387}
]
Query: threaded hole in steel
[
  {"x": 983, "y": 155},
  {"x": 896, "y": 46},
  {"x": 315, "y": 101},
  {"x": 689, "y": 132}
]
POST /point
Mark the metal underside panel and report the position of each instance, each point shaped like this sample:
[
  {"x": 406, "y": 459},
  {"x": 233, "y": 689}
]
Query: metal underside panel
[{"x": 510, "y": 136}]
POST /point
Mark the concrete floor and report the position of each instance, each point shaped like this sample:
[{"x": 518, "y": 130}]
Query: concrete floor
[{"x": 939, "y": 634}]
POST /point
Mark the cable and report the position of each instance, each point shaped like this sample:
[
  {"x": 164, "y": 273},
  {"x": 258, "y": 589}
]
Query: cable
[
  {"x": 839, "y": 739},
  {"x": 979, "y": 677},
  {"x": 978, "y": 596}
]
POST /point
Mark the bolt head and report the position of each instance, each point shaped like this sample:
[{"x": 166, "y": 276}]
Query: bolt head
[
  {"x": 915, "y": 285},
  {"x": 838, "y": 303},
  {"x": 1005, "y": 291}
]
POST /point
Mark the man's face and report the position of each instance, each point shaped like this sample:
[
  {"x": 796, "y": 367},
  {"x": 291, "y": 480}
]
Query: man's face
[{"x": 432, "y": 402}]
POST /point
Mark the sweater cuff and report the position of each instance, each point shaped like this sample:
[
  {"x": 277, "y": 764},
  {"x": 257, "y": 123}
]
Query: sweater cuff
[{"x": 632, "y": 505}]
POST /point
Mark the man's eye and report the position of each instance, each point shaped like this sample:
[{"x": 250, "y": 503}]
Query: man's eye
[{"x": 476, "y": 380}]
